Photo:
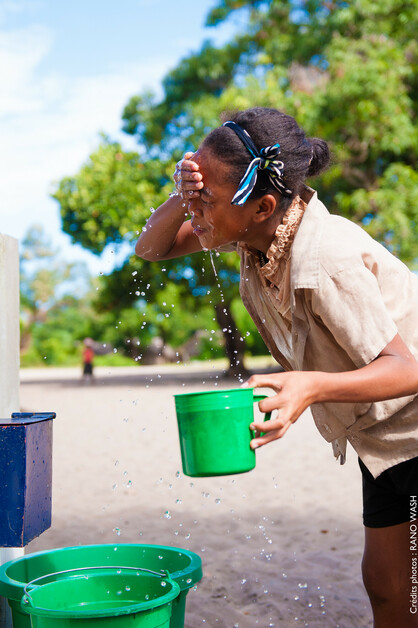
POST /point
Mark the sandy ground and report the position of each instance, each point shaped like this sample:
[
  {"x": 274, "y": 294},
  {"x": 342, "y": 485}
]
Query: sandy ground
[{"x": 281, "y": 545}]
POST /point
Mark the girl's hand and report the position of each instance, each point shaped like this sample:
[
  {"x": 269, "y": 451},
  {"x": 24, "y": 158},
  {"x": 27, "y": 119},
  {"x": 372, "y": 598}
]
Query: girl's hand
[
  {"x": 294, "y": 393},
  {"x": 187, "y": 177},
  {"x": 392, "y": 375}
]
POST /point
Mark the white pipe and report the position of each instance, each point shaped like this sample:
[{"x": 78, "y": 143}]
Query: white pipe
[
  {"x": 9, "y": 365},
  {"x": 10, "y": 553},
  {"x": 6, "y": 554}
]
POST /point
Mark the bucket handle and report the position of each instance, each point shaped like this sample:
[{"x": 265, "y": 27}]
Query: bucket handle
[
  {"x": 27, "y": 599},
  {"x": 267, "y": 415}
]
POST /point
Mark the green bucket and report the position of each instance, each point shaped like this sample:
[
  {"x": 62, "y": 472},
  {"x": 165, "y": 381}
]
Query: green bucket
[
  {"x": 184, "y": 567},
  {"x": 134, "y": 598},
  {"x": 214, "y": 431}
]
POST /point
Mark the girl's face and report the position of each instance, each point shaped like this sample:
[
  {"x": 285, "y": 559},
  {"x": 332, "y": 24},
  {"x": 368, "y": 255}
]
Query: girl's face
[{"x": 214, "y": 220}]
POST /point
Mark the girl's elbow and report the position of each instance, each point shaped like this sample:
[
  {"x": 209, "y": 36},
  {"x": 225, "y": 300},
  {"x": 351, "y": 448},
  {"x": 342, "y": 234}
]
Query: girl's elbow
[
  {"x": 147, "y": 254},
  {"x": 143, "y": 253},
  {"x": 139, "y": 251},
  {"x": 411, "y": 376}
]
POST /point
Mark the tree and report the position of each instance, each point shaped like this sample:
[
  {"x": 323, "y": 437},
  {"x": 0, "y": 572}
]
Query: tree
[
  {"x": 346, "y": 71},
  {"x": 52, "y": 319}
]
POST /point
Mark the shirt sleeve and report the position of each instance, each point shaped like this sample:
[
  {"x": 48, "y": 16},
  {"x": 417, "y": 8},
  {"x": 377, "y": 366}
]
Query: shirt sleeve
[{"x": 351, "y": 306}]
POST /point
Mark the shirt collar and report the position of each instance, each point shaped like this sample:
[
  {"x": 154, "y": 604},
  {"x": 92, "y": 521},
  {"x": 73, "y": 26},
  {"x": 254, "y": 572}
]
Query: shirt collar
[{"x": 306, "y": 245}]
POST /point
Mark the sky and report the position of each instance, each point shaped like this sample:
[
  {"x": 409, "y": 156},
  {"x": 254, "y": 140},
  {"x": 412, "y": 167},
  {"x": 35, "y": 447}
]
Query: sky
[{"x": 67, "y": 69}]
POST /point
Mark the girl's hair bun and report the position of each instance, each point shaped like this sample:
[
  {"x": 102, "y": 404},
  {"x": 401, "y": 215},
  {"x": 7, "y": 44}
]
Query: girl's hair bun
[{"x": 320, "y": 156}]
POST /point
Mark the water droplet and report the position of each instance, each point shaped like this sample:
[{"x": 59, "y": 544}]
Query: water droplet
[
  {"x": 167, "y": 514},
  {"x": 244, "y": 580},
  {"x": 163, "y": 583},
  {"x": 127, "y": 588},
  {"x": 189, "y": 580},
  {"x": 117, "y": 530}
]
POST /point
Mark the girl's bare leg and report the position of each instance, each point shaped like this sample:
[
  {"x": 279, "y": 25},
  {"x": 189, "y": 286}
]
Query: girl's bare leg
[{"x": 387, "y": 569}]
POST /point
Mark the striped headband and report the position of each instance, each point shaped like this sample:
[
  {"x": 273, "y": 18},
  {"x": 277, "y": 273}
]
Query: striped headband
[{"x": 263, "y": 159}]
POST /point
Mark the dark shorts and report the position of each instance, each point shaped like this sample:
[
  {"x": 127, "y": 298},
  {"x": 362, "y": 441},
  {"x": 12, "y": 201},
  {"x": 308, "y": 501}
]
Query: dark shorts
[
  {"x": 387, "y": 499},
  {"x": 88, "y": 368}
]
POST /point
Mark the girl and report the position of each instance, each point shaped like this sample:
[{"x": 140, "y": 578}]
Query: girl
[{"x": 334, "y": 307}]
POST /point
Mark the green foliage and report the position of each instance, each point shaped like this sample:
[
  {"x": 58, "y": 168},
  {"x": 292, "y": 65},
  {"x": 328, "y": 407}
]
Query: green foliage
[
  {"x": 159, "y": 125},
  {"x": 390, "y": 211},
  {"x": 103, "y": 203},
  {"x": 53, "y": 322}
]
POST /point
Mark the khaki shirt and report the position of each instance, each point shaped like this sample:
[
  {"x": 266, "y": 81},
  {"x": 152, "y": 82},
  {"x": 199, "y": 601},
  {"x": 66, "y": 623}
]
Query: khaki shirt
[{"x": 349, "y": 298}]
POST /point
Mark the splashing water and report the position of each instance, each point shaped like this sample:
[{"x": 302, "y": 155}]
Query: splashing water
[
  {"x": 216, "y": 275},
  {"x": 213, "y": 264}
]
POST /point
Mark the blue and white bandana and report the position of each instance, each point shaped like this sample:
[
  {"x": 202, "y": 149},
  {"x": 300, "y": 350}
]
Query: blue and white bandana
[{"x": 265, "y": 159}]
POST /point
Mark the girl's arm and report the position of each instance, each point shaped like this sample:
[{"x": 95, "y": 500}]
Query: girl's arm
[
  {"x": 393, "y": 374},
  {"x": 167, "y": 234}
]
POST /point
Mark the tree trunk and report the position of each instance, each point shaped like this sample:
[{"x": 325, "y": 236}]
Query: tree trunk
[{"x": 234, "y": 344}]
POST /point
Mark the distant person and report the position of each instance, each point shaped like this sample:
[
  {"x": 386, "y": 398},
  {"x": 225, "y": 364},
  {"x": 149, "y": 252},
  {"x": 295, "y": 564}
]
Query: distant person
[
  {"x": 88, "y": 357},
  {"x": 335, "y": 308}
]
